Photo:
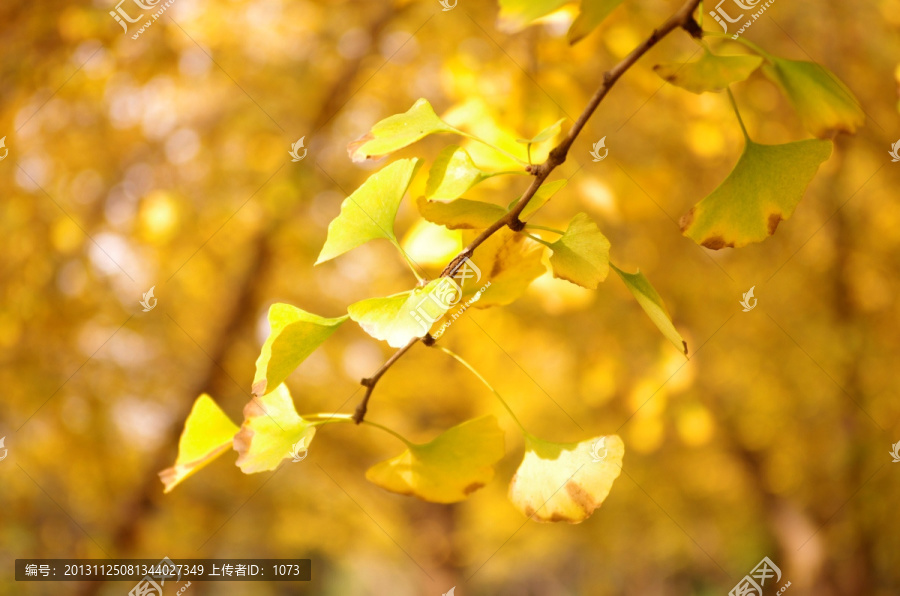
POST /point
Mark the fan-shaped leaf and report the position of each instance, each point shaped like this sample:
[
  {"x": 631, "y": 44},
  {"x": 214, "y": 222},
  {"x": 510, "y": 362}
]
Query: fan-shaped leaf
[
  {"x": 649, "y": 299},
  {"x": 270, "y": 430},
  {"x": 461, "y": 214},
  {"x": 581, "y": 255},
  {"x": 593, "y": 12},
  {"x": 208, "y": 433},
  {"x": 562, "y": 482},
  {"x": 294, "y": 335},
  {"x": 370, "y": 211},
  {"x": 515, "y": 15},
  {"x": 452, "y": 174},
  {"x": 447, "y": 469},
  {"x": 400, "y": 318},
  {"x": 763, "y": 189},
  {"x": 509, "y": 261},
  {"x": 824, "y": 104},
  {"x": 709, "y": 73},
  {"x": 398, "y": 131}
]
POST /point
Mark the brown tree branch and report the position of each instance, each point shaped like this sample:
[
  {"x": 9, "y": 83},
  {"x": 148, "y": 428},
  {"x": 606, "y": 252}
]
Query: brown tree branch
[{"x": 682, "y": 19}]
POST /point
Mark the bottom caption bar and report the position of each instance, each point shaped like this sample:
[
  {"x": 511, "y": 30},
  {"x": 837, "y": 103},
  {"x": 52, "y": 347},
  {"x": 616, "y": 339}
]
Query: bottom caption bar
[{"x": 154, "y": 573}]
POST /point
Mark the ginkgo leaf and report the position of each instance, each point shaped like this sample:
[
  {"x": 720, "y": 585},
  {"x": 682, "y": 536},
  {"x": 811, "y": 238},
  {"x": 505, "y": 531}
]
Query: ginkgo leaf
[
  {"x": 461, "y": 214},
  {"x": 294, "y": 335},
  {"x": 398, "y": 131},
  {"x": 208, "y": 433},
  {"x": 509, "y": 261},
  {"x": 593, "y": 12},
  {"x": 581, "y": 255},
  {"x": 825, "y": 105},
  {"x": 400, "y": 318},
  {"x": 763, "y": 189},
  {"x": 515, "y": 15},
  {"x": 709, "y": 73},
  {"x": 447, "y": 469},
  {"x": 540, "y": 198},
  {"x": 271, "y": 431},
  {"x": 545, "y": 135},
  {"x": 452, "y": 174},
  {"x": 563, "y": 481},
  {"x": 369, "y": 212},
  {"x": 649, "y": 299}
]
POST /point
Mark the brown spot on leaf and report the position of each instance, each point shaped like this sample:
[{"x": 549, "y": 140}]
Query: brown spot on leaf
[
  {"x": 581, "y": 497},
  {"x": 714, "y": 243},
  {"x": 472, "y": 488},
  {"x": 686, "y": 220},
  {"x": 774, "y": 220},
  {"x": 685, "y": 347}
]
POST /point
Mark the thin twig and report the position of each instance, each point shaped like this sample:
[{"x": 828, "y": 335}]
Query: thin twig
[{"x": 683, "y": 19}]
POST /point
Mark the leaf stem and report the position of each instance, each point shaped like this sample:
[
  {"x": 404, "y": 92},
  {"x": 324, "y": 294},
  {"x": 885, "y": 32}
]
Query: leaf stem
[
  {"x": 537, "y": 239},
  {"x": 331, "y": 418},
  {"x": 743, "y": 41},
  {"x": 409, "y": 261},
  {"x": 545, "y": 228},
  {"x": 459, "y": 359},
  {"x": 737, "y": 113}
]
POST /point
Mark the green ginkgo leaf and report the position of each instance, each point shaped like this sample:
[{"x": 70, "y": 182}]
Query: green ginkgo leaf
[
  {"x": 272, "y": 431},
  {"x": 545, "y": 135},
  {"x": 397, "y": 132},
  {"x": 593, "y": 12},
  {"x": 370, "y": 211},
  {"x": 449, "y": 468},
  {"x": 763, "y": 190},
  {"x": 825, "y": 105},
  {"x": 709, "y": 73},
  {"x": 452, "y": 174},
  {"x": 294, "y": 335},
  {"x": 208, "y": 433},
  {"x": 461, "y": 214},
  {"x": 581, "y": 255},
  {"x": 400, "y": 318},
  {"x": 565, "y": 481},
  {"x": 650, "y": 300}
]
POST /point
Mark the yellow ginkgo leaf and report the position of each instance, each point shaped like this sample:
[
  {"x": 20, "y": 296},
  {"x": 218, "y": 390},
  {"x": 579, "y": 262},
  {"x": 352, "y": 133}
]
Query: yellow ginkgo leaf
[
  {"x": 449, "y": 468},
  {"x": 565, "y": 481},
  {"x": 208, "y": 433}
]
